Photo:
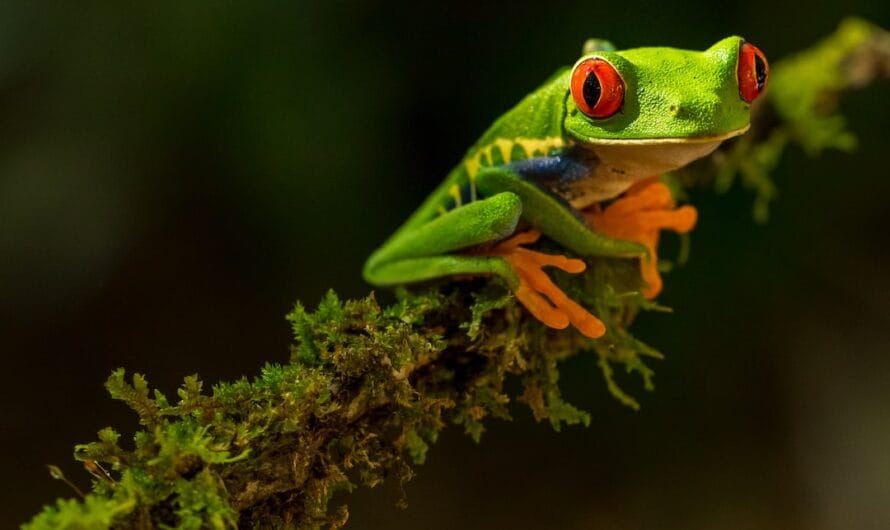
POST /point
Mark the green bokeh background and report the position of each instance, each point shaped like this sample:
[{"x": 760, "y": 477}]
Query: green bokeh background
[{"x": 173, "y": 175}]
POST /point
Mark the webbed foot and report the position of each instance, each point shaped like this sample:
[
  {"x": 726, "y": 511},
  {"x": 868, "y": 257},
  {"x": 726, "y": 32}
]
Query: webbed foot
[
  {"x": 537, "y": 292},
  {"x": 640, "y": 215}
]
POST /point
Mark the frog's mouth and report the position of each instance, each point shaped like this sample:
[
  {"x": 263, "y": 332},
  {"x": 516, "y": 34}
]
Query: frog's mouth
[
  {"x": 592, "y": 142},
  {"x": 620, "y": 163}
]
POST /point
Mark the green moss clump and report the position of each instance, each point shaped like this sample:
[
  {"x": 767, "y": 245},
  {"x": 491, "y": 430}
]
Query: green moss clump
[{"x": 365, "y": 393}]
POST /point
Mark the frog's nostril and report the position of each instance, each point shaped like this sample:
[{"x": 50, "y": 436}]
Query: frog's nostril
[
  {"x": 677, "y": 109},
  {"x": 700, "y": 109}
]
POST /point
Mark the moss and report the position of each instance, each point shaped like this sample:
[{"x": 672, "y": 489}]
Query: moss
[
  {"x": 365, "y": 393},
  {"x": 367, "y": 389}
]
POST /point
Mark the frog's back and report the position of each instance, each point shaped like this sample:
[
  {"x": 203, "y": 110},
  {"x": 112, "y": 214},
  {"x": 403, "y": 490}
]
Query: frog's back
[
  {"x": 538, "y": 115},
  {"x": 534, "y": 127}
]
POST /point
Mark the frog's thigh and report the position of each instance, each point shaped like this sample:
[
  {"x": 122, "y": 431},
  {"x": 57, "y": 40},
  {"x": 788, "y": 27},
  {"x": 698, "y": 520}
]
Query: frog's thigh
[
  {"x": 412, "y": 270},
  {"x": 473, "y": 224},
  {"x": 554, "y": 217}
]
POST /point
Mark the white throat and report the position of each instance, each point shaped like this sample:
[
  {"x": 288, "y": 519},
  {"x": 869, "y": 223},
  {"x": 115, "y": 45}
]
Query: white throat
[{"x": 620, "y": 163}]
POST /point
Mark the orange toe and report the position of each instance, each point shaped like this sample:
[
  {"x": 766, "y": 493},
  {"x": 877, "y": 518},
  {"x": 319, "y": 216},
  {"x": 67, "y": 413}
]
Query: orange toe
[
  {"x": 537, "y": 292},
  {"x": 640, "y": 215},
  {"x": 540, "y": 308}
]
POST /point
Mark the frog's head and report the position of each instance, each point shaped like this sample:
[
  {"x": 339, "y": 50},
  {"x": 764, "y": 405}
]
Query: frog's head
[
  {"x": 682, "y": 102},
  {"x": 665, "y": 93}
]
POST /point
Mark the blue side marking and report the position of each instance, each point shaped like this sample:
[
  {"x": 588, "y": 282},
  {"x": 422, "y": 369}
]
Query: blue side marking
[{"x": 553, "y": 171}]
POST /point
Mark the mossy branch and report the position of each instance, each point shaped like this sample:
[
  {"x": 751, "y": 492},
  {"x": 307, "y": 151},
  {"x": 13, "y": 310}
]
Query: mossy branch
[{"x": 367, "y": 389}]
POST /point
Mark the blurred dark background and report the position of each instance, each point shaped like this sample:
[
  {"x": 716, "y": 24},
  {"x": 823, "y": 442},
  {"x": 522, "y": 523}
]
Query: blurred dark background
[{"x": 173, "y": 175}]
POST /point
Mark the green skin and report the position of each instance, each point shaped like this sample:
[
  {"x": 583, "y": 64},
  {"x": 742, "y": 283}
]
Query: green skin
[{"x": 678, "y": 106}]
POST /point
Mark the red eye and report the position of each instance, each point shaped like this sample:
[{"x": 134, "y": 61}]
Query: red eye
[
  {"x": 753, "y": 72},
  {"x": 597, "y": 88}
]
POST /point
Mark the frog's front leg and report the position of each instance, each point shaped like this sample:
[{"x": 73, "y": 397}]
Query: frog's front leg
[
  {"x": 469, "y": 240},
  {"x": 629, "y": 227},
  {"x": 552, "y": 215}
]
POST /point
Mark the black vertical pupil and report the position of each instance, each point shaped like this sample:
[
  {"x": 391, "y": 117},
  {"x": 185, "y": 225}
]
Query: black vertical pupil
[
  {"x": 592, "y": 90},
  {"x": 759, "y": 71}
]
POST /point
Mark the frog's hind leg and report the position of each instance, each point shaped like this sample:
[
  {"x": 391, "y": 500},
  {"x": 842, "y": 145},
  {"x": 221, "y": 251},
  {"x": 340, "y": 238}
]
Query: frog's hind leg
[
  {"x": 477, "y": 223},
  {"x": 520, "y": 267},
  {"x": 413, "y": 270},
  {"x": 640, "y": 215},
  {"x": 432, "y": 250}
]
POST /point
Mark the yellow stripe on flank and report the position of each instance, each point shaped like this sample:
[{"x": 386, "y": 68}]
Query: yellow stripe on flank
[
  {"x": 472, "y": 167},
  {"x": 472, "y": 188},
  {"x": 530, "y": 146},
  {"x": 506, "y": 148},
  {"x": 539, "y": 146},
  {"x": 454, "y": 191}
]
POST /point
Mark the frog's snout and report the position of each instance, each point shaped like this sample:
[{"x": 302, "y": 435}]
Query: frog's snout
[{"x": 703, "y": 108}]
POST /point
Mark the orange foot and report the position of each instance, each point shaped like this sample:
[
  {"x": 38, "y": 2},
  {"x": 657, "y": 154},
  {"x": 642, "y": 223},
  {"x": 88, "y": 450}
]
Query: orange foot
[
  {"x": 640, "y": 215},
  {"x": 557, "y": 310}
]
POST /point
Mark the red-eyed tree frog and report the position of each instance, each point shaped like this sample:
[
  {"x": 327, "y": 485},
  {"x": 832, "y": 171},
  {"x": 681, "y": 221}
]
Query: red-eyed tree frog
[{"x": 578, "y": 160}]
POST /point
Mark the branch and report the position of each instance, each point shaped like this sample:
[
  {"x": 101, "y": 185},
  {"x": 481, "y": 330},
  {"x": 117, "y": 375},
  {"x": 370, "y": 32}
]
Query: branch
[{"x": 367, "y": 389}]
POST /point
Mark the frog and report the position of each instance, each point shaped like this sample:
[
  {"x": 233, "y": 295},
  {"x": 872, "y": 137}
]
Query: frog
[{"x": 580, "y": 161}]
